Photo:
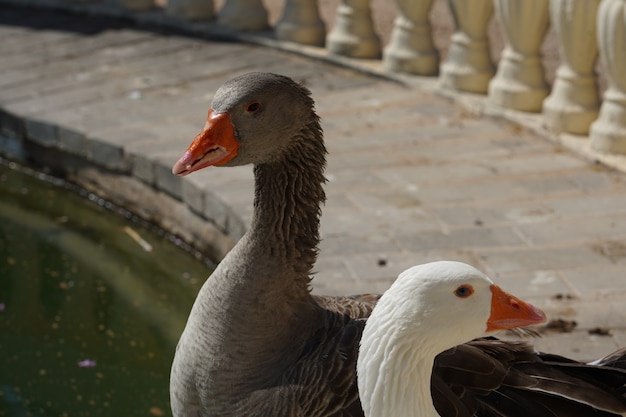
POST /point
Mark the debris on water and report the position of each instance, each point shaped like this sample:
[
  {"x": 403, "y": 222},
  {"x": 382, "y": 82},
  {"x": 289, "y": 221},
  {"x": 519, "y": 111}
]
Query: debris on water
[
  {"x": 87, "y": 363},
  {"x": 135, "y": 236},
  {"x": 156, "y": 411},
  {"x": 2, "y": 307},
  {"x": 382, "y": 262}
]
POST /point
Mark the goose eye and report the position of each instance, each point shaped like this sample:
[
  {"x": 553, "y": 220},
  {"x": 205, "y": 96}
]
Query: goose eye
[
  {"x": 253, "y": 107},
  {"x": 464, "y": 291}
]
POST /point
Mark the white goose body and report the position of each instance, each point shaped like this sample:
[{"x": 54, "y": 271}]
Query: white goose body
[
  {"x": 413, "y": 323},
  {"x": 423, "y": 314}
]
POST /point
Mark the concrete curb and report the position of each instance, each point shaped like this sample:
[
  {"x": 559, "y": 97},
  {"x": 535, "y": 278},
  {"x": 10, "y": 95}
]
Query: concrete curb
[{"x": 142, "y": 185}]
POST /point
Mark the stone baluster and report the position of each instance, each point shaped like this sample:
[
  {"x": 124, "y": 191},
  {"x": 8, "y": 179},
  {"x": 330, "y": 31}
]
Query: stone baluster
[
  {"x": 468, "y": 66},
  {"x": 191, "y": 9},
  {"x": 353, "y": 34},
  {"x": 301, "y": 23},
  {"x": 608, "y": 132},
  {"x": 135, "y": 5},
  {"x": 411, "y": 49},
  {"x": 573, "y": 103},
  {"x": 519, "y": 83},
  {"x": 243, "y": 15}
]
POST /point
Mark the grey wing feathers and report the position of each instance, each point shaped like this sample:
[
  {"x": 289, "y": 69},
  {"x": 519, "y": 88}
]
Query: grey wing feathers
[
  {"x": 324, "y": 378},
  {"x": 355, "y": 306}
]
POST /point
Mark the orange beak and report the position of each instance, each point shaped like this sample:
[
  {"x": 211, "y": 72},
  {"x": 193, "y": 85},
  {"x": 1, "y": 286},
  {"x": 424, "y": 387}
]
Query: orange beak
[
  {"x": 508, "y": 311},
  {"x": 215, "y": 145}
]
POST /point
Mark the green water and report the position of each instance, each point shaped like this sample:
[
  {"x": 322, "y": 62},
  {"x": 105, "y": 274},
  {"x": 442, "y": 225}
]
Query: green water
[{"x": 89, "y": 318}]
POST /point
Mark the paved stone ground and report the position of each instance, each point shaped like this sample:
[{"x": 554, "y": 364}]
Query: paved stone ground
[{"x": 412, "y": 177}]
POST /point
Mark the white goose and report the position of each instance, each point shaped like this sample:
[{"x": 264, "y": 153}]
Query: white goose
[{"x": 434, "y": 307}]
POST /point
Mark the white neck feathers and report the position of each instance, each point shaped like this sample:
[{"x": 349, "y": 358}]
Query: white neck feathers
[{"x": 394, "y": 372}]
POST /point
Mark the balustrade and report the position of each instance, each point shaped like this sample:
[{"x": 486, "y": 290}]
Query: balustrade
[
  {"x": 411, "y": 47},
  {"x": 573, "y": 103},
  {"x": 301, "y": 23},
  {"x": 354, "y": 34},
  {"x": 243, "y": 15},
  {"x": 584, "y": 30},
  {"x": 519, "y": 82},
  {"x": 608, "y": 132},
  {"x": 469, "y": 67}
]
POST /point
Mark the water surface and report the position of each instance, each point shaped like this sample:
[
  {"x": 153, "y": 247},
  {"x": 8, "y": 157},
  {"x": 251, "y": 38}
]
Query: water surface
[{"x": 91, "y": 304}]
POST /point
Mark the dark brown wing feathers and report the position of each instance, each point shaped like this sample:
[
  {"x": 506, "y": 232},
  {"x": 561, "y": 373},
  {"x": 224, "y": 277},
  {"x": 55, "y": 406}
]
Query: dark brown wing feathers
[
  {"x": 504, "y": 379},
  {"x": 616, "y": 359},
  {"x": 324, "y": 379}
]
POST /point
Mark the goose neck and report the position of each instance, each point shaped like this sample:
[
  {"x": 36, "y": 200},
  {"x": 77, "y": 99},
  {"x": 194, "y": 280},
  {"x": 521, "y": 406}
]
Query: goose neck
[
  {"x": 394, "y": 370},
  {"x": 288, "y": 196}
]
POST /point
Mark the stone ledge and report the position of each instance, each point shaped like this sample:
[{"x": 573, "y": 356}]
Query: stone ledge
[
  {"x": 121, "y": 177},
  {"x": 156, "y": 207}
]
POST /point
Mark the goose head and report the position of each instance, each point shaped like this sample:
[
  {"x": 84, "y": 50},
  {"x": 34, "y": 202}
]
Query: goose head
[
  {"x": 253, "y": 119},
  {"x": 445, "y": 295},
  {"x": 429, "y": 308}
]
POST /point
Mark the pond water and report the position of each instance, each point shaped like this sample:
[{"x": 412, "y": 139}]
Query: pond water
[{"x": 91, "y": 304}]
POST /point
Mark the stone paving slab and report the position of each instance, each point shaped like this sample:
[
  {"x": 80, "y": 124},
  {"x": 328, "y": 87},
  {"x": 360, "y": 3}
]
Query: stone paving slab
[{"x": 412, "y": 177}]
